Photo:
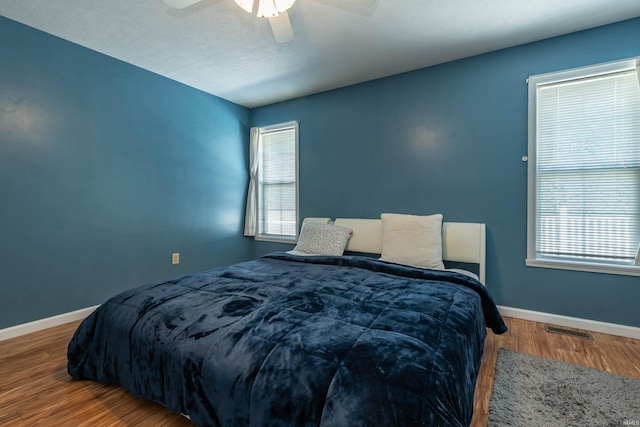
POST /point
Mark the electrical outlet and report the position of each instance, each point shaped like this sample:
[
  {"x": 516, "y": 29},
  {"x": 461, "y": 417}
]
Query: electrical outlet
[{"x": 175, "y": 258}]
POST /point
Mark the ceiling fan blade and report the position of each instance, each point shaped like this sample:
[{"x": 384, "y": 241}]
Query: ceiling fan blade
[
  {"x": 180, "y": 4},
  {"x": 281, "y": 27},
  {"x": 361, "y": 7}
]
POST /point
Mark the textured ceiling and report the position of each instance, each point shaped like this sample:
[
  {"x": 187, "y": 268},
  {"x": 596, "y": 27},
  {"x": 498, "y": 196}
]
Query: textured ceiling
[{"x": 217, "y": 47}]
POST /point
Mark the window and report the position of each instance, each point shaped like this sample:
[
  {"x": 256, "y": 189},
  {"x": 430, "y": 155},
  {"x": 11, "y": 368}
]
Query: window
[
  {"x": 584, "y": 169},
  {"x": 274, "y": 157}
]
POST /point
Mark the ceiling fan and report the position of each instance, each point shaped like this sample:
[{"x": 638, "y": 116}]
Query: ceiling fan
[{"x": 276, "y": 11}]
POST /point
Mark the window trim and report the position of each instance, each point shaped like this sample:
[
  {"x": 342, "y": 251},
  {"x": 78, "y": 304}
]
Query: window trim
[
  {"x": 276, "y": 238},
  {"x": 549, "y": 78}
]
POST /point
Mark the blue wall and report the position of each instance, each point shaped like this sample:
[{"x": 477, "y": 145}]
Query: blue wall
[
  {"x": 450, "y": 139},
  {"x": 105, "y": 170}
]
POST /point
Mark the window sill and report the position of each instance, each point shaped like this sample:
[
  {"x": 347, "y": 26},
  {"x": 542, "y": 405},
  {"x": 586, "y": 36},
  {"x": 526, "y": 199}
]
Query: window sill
[
  {"x": 626, "y": 270},
  {"x": 276, "y": 239}
]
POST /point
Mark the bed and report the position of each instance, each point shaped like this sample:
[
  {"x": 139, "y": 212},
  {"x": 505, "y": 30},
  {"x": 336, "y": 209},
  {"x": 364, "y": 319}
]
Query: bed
[{"x": 291, "y": 340}]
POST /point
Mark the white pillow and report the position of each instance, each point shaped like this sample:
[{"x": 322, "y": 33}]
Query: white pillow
[
  {"x": 412, "y": 240},
  {"x": 322, "y": 239}
]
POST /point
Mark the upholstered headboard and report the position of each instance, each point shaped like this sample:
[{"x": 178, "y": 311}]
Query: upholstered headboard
[{"x": 461, "y": 241}]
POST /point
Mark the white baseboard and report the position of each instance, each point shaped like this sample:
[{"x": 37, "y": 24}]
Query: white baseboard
[
  {"x": 49, "y": 322},
  {"x": 572, "y": 322}
]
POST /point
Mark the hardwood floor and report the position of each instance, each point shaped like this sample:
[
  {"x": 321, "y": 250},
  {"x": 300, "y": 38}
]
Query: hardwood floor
[{"x": 35, "y": 389}]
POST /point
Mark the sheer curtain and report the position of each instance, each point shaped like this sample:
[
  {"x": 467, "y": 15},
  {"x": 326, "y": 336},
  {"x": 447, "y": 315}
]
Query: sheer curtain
[{"x": 250, "y": 220}]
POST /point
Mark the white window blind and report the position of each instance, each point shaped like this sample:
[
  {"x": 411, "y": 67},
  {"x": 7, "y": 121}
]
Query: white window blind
[
  {"x": 278, "y": 182},
  {"x": 587, "y": 166}
]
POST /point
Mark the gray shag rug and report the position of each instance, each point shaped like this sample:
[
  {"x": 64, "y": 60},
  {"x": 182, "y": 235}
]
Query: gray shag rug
[{"x": 535, "y": 392}]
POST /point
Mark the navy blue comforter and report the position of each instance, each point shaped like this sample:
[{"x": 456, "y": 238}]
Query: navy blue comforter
[{"x": 296, "y": 341}]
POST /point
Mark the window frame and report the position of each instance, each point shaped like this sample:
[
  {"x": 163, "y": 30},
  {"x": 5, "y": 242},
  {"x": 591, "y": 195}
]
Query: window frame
[
  {"x": 532, "y": 259},
  {"x": 278, "y": 238}
]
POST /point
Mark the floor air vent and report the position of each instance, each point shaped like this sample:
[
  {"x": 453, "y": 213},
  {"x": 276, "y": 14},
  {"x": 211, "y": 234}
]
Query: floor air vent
[{"x": 570, "y": 332}]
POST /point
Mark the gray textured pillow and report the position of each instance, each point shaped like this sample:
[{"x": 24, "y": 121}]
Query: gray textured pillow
[{"x": 322, "y": 239}]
